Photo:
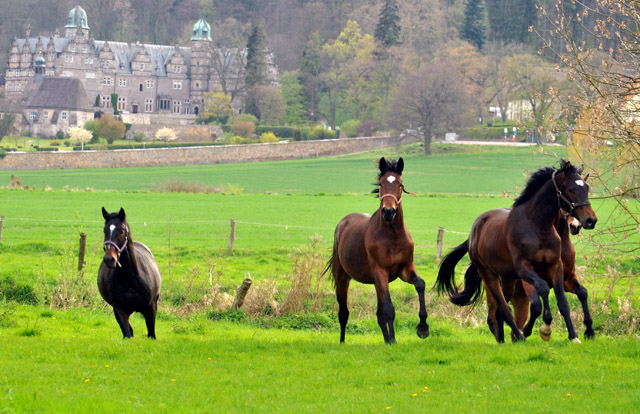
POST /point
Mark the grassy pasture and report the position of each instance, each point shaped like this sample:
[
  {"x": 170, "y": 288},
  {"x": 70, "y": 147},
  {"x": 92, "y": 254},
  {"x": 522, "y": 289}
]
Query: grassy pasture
[{"x": 74, "y": 360}]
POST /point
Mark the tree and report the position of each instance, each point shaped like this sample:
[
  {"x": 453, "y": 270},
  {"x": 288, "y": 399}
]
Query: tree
[
  {"x": 256, "y": 72},
  {"x": 292, "y": 93},
  {"x": 79, "y": 134},
  {"x": 499, "y": 85},
  {"x": 310, "y": 75},
  {"x": 430, "y": 99},
  {"x": 166, "y": 134},
  {"x": 388, "y": 27},
  {"x": 109, "y": 128},
  {"x": 604, "y": 95},
  {"x": 217, "y": 106},
  {"x": 509, "y": 20},
  {"x": 269, "y": 104},
  {"x": 229, "y": 58},
  {"x": 473, "y": 28}
]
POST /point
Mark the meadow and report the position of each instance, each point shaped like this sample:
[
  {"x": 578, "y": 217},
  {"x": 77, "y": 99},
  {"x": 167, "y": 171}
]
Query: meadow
[{"x": 62, "y": 351}]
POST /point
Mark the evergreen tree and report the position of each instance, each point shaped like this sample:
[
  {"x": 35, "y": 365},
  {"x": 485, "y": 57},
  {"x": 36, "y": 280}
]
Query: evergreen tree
[
  {"x": 473, "y": 27},
  {"x": 509, "y": 21},
  {"x": 310, "y": 75},
  {"x": 388, "y": 28},
  {"x": 256, "y": 68}
]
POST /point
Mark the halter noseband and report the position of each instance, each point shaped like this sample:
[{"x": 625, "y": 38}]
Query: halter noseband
[
  {"x": 118, "y": 249},
  {"x": 397, "y": 200},
  {"x": 572, "y": 206}
]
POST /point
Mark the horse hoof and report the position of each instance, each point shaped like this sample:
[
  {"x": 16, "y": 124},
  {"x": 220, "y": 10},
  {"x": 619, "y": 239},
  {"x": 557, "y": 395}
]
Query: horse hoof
[
  {"x": 422, "y": 332},
  {"x": 545, "y": 332},
  {"x": 590, "y": 335},
  {"x": 576, "y": 341}
]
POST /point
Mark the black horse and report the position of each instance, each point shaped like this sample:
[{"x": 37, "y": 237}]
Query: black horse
[{"x": 128, "y": 278}]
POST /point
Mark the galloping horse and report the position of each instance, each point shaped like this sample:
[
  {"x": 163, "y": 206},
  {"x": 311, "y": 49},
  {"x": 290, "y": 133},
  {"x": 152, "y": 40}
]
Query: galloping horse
[
  {"x": 521, "y": 244},
  {"x": 377, "y": 249},
  {"x": 128, "y": 278},
  {"x": 523, "y": 290}
]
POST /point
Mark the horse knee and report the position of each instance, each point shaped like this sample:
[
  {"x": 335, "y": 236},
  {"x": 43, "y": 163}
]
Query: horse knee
[
  {"x": 581, "y": 292},
  {"x": 419, "y": 284},
  {"x": 535, "y": 308}
]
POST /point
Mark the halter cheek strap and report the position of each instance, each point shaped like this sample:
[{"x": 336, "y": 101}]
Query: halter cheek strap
[
  {"x": 561, "y": 197},
  {"x": 397, "y": 200},
  {"x": 118, "y": 249}
]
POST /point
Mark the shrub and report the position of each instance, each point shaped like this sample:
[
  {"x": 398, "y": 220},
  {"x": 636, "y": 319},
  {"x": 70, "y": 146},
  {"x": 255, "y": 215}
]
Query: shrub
[
  {"x": 243, "y": 128},
  {"x": 367, "y": 128},
  {"x": 349, "y": 128},
  {"x": 237, "y": 140},
  {"x": 55, "y": 143},
  {"x": 268, "y": 137},
  {"x": 166, "y": 134},
  {"x": 139, "y": 137},
  {"x": 198, "y": 134}
]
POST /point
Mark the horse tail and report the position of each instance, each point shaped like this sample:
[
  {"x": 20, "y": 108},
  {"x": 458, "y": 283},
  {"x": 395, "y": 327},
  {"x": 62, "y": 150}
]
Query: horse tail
[
  {"x": 446, "y": 283},
  {"x": 472, "y": 291},
  {"x": 329, "y": 267}
]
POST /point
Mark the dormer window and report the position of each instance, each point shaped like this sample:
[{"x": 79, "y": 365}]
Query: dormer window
[
  {"x": 177, "y": 68},
  {"x": 142, "y": 66}
]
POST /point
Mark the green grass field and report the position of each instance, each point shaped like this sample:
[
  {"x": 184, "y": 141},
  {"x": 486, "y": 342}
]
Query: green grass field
[{"x": 61, "y": 350}]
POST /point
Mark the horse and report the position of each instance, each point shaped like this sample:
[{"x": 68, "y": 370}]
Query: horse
[
  {"x": 521, "y": 243},
  {"x": 128, "y": 279},
  {"x": 519, "y": 298},
  {"x": 377, "y": 249}
]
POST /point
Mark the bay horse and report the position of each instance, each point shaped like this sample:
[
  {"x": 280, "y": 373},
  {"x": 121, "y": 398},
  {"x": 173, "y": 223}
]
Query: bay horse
[
  {"x": 377, "y": 249},
  {"x": 521, "y": 243},
  {"x": 519, "y": 298},
  {"x": 128, "y": 278}
]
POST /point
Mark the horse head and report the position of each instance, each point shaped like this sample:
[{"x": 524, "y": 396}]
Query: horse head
[
  {"x": 390, "y": 187},
  {"x": 573, "y": 195},
  {"x": 116, "y": 236}
]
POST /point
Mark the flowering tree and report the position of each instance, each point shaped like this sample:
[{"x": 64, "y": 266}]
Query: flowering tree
[
  {"x": 79, "y": 134},
  {"x": 166, "y": 134}
]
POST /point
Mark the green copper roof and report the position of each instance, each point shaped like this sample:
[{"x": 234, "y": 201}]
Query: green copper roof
[
  {"x": 78, "y": 17},
  {"x": 201, "y": 30}
]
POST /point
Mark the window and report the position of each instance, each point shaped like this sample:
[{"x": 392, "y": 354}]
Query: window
[
  {"x": 33, "y": 116},
  {"x": 86, "y": 60},
  {"x": 90, "y": 75},
  {"x": 176, "y": 107},
  {"x": 177, "y": 85},
  {"x": 66, "y": 73},
  {"x": 45, "y": 115},
  {"x": 164, "y": 104},
  {"x": 148, "y": 105},
  {"x": 105, "y": 64},
  {"x": 142, "y": 66},
  {"x": 106, "y": 80},
  {"x": 63, "y": 115},
  {"x": 150, "y": 84},
  {"x": 122, "y": 82},
  {"x": 122, "y": 103},
  {"x": 177, "y": 68},
  {"x": 106, "y": 101},
  {"x": 140, "y": 87}
]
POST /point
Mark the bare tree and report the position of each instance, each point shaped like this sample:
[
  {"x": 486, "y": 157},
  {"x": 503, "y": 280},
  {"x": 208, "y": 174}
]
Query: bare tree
[{"x": 430, "y": 99}]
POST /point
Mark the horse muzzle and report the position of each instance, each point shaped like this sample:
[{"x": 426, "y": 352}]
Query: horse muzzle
[
  {"x": 586, "y": 216},
  {"x": 110, "y": 259},
  {"x": 388, "y": 214},
  {"x": 575, "y": 226}
]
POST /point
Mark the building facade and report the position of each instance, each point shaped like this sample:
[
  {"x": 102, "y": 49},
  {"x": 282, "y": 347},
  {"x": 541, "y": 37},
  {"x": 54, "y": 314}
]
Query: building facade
[{"x": 134, "y": 78}]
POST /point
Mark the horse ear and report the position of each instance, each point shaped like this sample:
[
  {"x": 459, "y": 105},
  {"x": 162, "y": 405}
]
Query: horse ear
[
  {"x": 580, "y": 169},
  {"x": 383, "y": 165},
  {"x": 105, "y": 214},
  {"x": 121, "y": 214},
  {"x": 586, "y": 177},
  {"x": 400, "y": 166},
  {"x": 565, "y": 165}
]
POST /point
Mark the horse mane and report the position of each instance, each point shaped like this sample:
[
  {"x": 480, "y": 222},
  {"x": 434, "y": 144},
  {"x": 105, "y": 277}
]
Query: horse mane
[{"x": 538, "y": 179}]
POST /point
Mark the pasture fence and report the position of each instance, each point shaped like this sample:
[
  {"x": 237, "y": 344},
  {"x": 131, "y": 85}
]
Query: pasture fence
[
  {"x": 81, "y": 250},
  {"x": 1, "y": 223}
]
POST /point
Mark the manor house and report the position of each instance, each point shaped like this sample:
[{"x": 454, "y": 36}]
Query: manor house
[{"x": 140, "y": 78}]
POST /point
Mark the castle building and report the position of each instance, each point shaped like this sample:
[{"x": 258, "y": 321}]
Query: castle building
[{"x": 141, "y": 78}]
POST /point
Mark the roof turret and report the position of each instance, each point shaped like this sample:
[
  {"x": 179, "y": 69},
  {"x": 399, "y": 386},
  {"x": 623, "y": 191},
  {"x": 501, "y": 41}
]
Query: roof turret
[
  {"x": 77, "y": 17},
  {"x": 201, "y": 30}
]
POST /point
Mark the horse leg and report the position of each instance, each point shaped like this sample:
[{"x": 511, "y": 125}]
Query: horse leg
[
  {"x": 492, "y": 305},
  {"x": 561, "y": 298},
  {"x": 386, "y": 312},
  {"x": 150, "y": 320},
  {"x": 342, "y": 291},
  {"x": 423, "y": 328},
  {"x": 123, "y": 320},
  {"x": 525, "y": 270},
  {"x": 572, "y": 285},
  {"x": 503, "y": 313}
]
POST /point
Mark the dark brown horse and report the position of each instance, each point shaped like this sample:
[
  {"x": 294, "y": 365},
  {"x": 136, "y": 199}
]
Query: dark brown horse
[
  {"x": 519, "y": 298},
  {"x": 377, "y": 249},
  {"x": 521, "y": 244},
  {"x": 128, "y": 278}
]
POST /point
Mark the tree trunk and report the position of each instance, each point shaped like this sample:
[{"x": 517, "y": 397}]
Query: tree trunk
[{"x": 427, "y": 143}]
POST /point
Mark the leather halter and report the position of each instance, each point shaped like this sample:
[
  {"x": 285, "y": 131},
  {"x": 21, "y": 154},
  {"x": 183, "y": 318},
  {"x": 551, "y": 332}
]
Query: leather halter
[
  {"x": 118, "y": 249},
  {"x": 562, "y": 197},
  {"x": 397, "y": 200}
]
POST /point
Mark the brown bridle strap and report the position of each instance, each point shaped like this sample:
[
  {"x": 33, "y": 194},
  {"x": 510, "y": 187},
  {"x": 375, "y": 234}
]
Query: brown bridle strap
[
  {"x": 561, "y": 197},
  {"x": 118, "y": 248},
  {"x": 397, "y": 200}
]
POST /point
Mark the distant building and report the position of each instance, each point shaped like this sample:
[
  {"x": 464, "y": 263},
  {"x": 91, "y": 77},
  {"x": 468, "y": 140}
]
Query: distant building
[{"x": 142, "y": 78}]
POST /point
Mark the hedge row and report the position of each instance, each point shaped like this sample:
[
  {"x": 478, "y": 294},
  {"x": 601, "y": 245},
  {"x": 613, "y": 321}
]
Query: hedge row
[{"x": 142, "y": 145}]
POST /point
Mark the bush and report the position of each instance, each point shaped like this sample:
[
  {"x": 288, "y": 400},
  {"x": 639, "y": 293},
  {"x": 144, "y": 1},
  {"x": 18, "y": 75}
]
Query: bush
[
  {"x": 139, "y": 137},
  {"x": 316, "y": 132},
  {"x": 279, "y": 131},
  {"x": 349, "y": 128},
  {"x": 55, "y": 143},
  {"x": 268, "y": 137},
  {"x": 237, "y": 140},
  {"x": 367, "y": 128},
  {"x": 243, "y": 128}
]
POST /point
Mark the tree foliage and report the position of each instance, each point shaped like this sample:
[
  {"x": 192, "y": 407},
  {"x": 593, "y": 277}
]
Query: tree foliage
[
  {"x": 109, "y": 128},
  {"x": 388, "y": 27},
  {"x": 217, "y": 106},
  {"x": 165, "y": 134},
  {"x": 473, "y": 27}
]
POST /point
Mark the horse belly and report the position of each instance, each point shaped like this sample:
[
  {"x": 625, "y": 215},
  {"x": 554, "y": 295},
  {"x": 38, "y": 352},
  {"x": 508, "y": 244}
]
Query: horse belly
[{"x": 351, "y": 248}]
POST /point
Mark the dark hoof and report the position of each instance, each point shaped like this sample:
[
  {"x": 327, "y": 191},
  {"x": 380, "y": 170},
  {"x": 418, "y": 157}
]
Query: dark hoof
[
  {"x": 589, "y": 335},
  {"x": 422, "y": 331}
]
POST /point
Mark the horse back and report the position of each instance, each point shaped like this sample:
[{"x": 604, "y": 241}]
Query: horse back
[
  {"x": 488, "y": 246},
  {"x": 148, "y": 268}
]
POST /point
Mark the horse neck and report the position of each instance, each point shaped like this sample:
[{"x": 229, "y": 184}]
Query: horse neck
[
  {"x": 397, "y": 225},
  {"x": 128, "y": 258},
  {"x": 543, "y": 206},
  {"x": 561, "y": 226}
]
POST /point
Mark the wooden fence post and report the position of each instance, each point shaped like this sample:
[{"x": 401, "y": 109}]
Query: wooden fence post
[
  {"x": 439, "y": 243},
  {"x": 242, "y": 292},
  {"x": 232, "y": 236},
  {"x": 81, "y": 250},
  {"x": 1, "y": 222}
]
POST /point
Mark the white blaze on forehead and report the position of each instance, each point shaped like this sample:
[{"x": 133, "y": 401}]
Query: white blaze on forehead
[
  {"x": 112, "y": 228},
  {"x": 580, "y": 183},
  {"x": 391, "y": 178}
]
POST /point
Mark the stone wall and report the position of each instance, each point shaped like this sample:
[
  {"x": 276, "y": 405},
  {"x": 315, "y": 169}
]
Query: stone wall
[{"x": 194, "y": 155}]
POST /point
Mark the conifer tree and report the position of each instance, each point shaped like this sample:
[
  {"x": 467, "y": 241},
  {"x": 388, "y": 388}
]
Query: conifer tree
[
  {"x": 388, "y": 27},
  {"x": 473, "y": 27},
  {"x": 256, "y": 68}
]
